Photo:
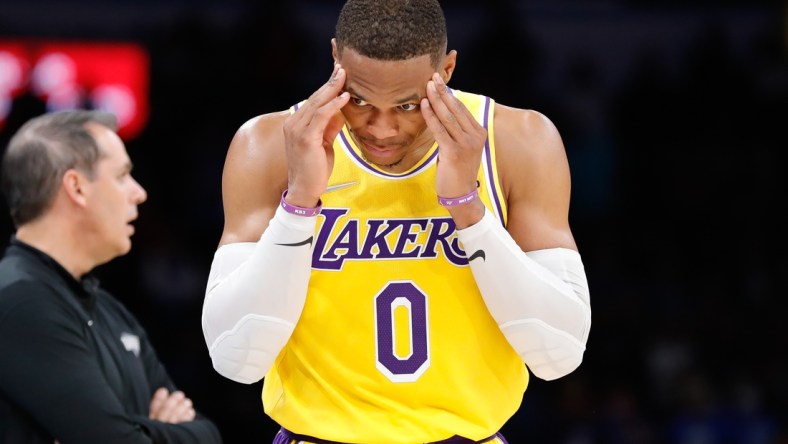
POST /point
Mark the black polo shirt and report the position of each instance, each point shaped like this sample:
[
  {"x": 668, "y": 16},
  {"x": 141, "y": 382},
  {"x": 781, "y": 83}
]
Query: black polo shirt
[{"x": 75, "y": 365}]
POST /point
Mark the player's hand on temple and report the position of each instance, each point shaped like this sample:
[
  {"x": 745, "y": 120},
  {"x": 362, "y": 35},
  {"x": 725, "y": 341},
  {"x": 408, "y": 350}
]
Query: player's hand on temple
[
  {"x": 309, "y": 138},
  {"x": 172, "y": 407},
  {"x": 461, "y": 139}
]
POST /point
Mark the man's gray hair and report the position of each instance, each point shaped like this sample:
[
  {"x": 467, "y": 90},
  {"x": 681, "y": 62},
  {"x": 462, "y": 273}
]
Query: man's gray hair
[{"x": 41, "y": 152}]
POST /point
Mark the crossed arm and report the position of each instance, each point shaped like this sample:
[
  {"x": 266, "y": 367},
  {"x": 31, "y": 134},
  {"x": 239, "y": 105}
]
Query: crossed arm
[{"x": 53, "y": 377}]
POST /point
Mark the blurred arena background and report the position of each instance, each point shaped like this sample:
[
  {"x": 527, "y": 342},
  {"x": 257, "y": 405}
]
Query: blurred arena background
[{"x": 674, "y": 116}]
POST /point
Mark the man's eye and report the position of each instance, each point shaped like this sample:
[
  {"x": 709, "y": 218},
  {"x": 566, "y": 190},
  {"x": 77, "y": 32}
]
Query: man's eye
[
  {"x": 409, "y": 107},
  {"x": 358, "y": 102}
]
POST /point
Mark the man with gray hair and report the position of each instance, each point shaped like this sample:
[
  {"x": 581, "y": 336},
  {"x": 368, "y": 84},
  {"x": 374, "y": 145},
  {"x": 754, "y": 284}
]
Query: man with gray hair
[{"x": 77, "y": 366}]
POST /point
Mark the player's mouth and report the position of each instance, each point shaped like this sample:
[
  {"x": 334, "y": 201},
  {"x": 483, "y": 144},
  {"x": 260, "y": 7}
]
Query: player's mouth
[
  {"x": 385, "y": 153},
  {"x": 379, "y": 149}
]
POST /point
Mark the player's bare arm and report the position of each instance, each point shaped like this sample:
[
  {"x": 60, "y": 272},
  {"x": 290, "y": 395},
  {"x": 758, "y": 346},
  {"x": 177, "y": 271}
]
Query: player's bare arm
[
  {"x": 534, "y": 173},
  {"x": 255, "y": 173}
]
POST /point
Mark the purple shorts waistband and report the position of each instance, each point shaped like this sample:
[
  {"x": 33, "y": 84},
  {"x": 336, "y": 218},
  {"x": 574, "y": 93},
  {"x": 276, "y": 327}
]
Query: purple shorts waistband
[{"x": 285, "y": 436}]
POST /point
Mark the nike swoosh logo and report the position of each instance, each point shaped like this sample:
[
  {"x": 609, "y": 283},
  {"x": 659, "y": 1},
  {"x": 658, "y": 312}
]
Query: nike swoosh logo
[
  {"x": 478, "y": 253},
  {"x": 339, "y": 186},
  {"x": 298, "y": 244}
]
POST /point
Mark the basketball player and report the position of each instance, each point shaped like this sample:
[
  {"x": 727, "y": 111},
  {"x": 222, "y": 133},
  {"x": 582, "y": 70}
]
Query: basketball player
[{"x": 394, "y": 250}]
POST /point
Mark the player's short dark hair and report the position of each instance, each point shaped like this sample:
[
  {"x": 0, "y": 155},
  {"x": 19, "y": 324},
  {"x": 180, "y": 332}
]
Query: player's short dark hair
[
  {"x": 41, "y": 152},
  {"x": 393, "y": 29}
]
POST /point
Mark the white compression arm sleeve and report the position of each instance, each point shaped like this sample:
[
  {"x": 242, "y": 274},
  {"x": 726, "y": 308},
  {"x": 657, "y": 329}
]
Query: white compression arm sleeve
[
  {"x": 255, "y": 295},
  {"x": 540, "y": 300}
]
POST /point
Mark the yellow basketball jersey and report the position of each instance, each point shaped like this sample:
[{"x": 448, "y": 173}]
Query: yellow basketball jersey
[{"x": 395, "y": 344}]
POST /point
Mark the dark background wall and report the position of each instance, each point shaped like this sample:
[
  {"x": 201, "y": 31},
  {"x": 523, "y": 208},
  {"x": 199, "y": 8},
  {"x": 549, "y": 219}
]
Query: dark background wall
[{"x": 673, "y": 114}]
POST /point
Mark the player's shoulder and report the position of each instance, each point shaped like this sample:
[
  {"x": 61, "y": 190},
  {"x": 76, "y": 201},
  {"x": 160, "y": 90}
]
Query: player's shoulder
[
  {"x": 256, "y": 158},
  {"x": 523, "y": 122},
  {"x": 261, "y": 126},
  {"x": 258, "y": 138},
  {"x": 526, "y": 132}
]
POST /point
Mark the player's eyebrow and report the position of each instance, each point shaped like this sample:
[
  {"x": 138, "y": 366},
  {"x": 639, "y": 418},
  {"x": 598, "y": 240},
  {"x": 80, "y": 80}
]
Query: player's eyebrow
[
  {"x": 411, "y": 98},
  {"x": 354, "y": 93}
]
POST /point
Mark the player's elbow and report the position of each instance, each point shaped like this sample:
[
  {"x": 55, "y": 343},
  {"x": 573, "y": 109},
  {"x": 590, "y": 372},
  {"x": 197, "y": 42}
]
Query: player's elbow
[
  {"x": 549, "y": 370},
  {"x": 245, "y": 353},
  {"x": 236, "y": 371},
  {"x": 548, "y": 352}
]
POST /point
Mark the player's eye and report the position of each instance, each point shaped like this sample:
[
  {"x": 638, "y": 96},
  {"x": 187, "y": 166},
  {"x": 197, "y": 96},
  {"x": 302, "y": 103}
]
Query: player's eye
[
  {"x": 358, "y": 102},
  {"x": 409, "y": 107}
]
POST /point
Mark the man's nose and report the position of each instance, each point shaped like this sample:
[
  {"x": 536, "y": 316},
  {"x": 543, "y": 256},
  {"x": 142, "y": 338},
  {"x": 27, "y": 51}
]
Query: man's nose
[
  {"x": 382, "y": 125},
  {"x": 139, "y": 195}
]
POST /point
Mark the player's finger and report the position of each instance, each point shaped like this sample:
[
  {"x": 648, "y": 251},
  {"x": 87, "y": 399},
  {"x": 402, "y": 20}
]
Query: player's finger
[
  {"x": 442, "y": 112},
  {"x": 435, "y": 125},
  {"x": 302, "y": 117},
  {"x": 303, "y": 111},
  {"x": 456, "y": 112},
  {"x": 324, "y": 94},
  {"x": 327, "y": 112},
  {"x": 334, "y": 126},
  {"x": 459, "y": 111}
]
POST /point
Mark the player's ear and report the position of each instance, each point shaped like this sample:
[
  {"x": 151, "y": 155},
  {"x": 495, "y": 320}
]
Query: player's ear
[
  {"x": 447, "y": 65},
  {"x": 334, "y": 51}
]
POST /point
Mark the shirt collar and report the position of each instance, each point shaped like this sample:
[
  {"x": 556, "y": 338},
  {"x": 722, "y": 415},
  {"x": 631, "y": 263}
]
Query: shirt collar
[{"x": 85, "y": 288}]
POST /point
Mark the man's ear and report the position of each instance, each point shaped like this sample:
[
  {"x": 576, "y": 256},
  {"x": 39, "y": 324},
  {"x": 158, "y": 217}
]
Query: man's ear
[
  {"x": 73, "y": 184},
  {"x": 447, "y": 66},
  {"x": 334, "y": 51}
]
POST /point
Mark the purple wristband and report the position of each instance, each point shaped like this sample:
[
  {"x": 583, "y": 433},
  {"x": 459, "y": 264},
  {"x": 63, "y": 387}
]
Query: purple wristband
[
  {"x": 454, "y": 201},
  {"x": 300, "y": 211}
]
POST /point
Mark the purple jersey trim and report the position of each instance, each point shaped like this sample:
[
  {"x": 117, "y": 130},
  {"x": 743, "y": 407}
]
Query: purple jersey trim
[
  {"x": 377, "y": 171},
  {"x": 490, "y": 166},
  {"x": 286, "y": 436}
]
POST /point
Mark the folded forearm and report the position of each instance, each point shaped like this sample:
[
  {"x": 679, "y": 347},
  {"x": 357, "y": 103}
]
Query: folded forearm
[
  {"x": 540, "y": 300},
  {"x": 255, "y": 295}
]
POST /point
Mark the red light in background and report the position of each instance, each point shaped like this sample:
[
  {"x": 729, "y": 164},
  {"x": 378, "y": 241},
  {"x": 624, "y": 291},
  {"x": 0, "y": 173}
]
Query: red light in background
[{"x": 65, "y": 75}]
